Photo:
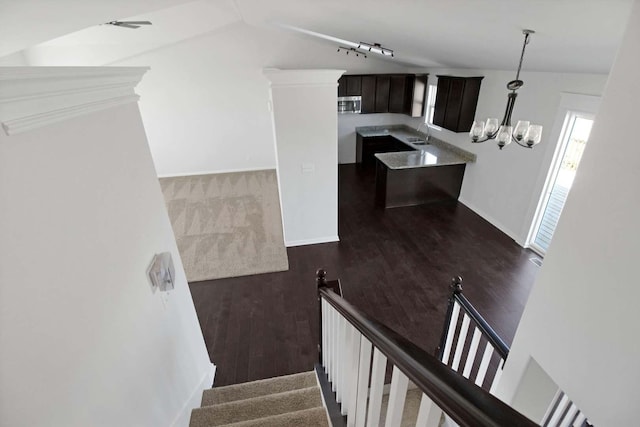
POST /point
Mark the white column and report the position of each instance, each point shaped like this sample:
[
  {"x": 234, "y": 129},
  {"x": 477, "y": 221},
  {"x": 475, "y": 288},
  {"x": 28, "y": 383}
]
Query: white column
[
  {"x": 334, "y": 349},
  {"x": 326, "y": 350},
  {"x": 354, "y": 359},
  {"x": 306, "y": 137},
  {"x": 340, "y": 360},
  {"x": 363, "y": 381},
  {"x": 397, "y": 396},
  {"x": 471, "y": 355},
  {"x": 484, "y": 364},
  {"x": 451, "y": 329},
  {"x": 428, "y": 414},
  {"x": 377, "y": 384},
  {"x": 462, "y": 338}
]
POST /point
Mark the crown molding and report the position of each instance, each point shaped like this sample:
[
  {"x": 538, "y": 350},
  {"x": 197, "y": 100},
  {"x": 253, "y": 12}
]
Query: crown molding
[{"x": 32, "y": 97}]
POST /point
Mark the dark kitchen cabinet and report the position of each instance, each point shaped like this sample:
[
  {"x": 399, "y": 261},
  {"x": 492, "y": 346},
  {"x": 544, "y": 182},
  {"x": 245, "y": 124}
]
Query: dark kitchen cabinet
[
  {"x": 368, "y": 93},
  {"x": 349, "y": 86},
  {"x": 342, "y": 86},
  {"x": 417, "y": 186},
  {"x": 418, "y": 95},
  {"x": 383, "y": 84},
  {"x": 367, "y": 147},
  {"x": 398, "y": 96},
  {"x": 354, "y": 84},
  {"x": 387, "y": 93},
  {"x": 456, "y": 100}
]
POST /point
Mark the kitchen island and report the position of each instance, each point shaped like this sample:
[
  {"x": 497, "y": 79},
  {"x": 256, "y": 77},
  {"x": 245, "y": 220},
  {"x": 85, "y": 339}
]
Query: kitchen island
[{"x": 426, "y": 172}]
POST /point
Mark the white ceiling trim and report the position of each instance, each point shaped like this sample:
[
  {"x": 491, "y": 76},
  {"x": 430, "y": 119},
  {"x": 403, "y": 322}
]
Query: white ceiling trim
[{"x": 33, "y": 97}]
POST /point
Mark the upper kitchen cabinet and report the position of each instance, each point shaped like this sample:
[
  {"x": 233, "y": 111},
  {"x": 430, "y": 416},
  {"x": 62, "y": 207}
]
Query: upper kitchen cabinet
[
  {"x": 350, "y": 86},
  {"x": 407, "y": 94},
  {"x": 456, "y": 100},
  {"x": 418, "y": 97},
  {"x": 387, "y": 93},
  {"x": 399, "y": 93},
  {"x": 368, "y": 93},
  {"x": 383, "y": 85}
]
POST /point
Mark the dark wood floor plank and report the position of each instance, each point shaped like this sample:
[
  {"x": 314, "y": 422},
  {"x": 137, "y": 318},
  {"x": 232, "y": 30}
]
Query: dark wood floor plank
[{"x": 394, "y": 264}]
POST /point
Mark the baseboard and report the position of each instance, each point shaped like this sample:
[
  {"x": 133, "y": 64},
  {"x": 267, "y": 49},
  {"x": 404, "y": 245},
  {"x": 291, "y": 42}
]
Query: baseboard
[
  {"x": 329, "y": 398},
  {"x": 314, "y": 241},
  {"x": 174, "y": 175},
  {"x": 493, "y": 221},
  {"x": 194, "y": 401}
]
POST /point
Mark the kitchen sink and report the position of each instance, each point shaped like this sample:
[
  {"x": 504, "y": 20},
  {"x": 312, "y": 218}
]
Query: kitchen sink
[
  {"x": 415, "y": 139},
  {"x": 420, "y": 143}
]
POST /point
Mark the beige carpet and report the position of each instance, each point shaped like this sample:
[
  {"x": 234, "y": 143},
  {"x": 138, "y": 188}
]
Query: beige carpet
[
  {"x": 228, "y": 224},
  {"x": 287, "y": 401}
]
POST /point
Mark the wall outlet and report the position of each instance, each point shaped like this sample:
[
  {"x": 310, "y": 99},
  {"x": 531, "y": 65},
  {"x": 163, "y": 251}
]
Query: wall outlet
[{"x": 308, "y": 167}]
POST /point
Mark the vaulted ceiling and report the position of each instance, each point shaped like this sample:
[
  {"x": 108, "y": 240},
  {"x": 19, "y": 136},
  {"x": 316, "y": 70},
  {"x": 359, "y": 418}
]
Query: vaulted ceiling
[{"x": 571, "y": 35}]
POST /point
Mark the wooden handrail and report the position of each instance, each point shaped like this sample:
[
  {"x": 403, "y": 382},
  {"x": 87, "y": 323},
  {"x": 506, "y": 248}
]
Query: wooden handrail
[{"x": 463, "y": 401}]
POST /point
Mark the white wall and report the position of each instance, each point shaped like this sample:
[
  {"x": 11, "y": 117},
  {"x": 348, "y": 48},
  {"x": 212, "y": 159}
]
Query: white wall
[
  {"x": 305, "y": 126},
  {"x": 504, "y": 186},
  {"x": 83, "y": 340},
  {"x": 204, "y": 102},
  {"x": 581, "y": 321},
  {"x": 14, "y": 60}
]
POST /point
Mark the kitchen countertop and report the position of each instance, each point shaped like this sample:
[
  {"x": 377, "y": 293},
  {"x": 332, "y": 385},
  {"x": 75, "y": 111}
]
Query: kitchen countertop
[{"x": 436, "y": 153}]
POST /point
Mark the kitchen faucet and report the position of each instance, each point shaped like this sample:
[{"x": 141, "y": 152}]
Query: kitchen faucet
[{"x": 428, "y": 131}]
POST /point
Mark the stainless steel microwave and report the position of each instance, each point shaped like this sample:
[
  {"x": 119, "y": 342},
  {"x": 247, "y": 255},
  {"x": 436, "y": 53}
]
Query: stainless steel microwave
[{"x": 349, "y": 104}]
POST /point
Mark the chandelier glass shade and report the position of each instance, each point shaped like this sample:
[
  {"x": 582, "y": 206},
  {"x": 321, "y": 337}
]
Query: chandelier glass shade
[{"x": 524, "y": 133}]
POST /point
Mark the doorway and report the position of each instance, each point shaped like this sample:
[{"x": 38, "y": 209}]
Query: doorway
[{"x": 571, "y": 144}]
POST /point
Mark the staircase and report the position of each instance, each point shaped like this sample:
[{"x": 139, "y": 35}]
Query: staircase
[
  {"x": 355, "y": 352},
  {"x": 287, "y": 401}
]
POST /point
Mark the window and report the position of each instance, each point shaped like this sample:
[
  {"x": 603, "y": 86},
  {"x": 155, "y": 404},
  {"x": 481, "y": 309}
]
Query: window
[
  {"x": 431, "y": 104},
  {"x": 571, "y": 142}
]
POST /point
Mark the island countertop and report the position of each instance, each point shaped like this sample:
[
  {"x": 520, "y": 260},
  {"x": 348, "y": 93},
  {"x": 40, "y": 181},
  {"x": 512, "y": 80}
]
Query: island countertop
[{"x": 434, "y": 153}]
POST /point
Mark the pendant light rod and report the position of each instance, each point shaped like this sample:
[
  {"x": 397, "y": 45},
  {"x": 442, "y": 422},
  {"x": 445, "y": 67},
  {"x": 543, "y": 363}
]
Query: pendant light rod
[
  {"x": 526, "y": 33},
  {"x": 511, "y": 102}
]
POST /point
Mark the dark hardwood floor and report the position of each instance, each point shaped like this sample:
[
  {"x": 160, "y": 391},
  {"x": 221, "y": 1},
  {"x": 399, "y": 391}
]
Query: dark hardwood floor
[{"x": 394, "y": 264}]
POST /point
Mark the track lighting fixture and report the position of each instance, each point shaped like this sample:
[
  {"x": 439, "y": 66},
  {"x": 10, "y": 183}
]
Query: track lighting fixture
[
  {"x": 351, "y": 50},
  {"x": 375, "y": 48}
]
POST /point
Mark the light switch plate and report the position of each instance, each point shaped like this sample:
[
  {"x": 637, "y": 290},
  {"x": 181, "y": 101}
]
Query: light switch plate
[{"x": 161, "y": 272}]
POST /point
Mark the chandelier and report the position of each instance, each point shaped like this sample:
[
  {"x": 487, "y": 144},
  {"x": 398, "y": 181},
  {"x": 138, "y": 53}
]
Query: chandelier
[{"x": 524, "y": 134}]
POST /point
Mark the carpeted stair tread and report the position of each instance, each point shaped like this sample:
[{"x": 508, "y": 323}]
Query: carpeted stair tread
[
  {"x": 315, "y": 417},
  {"x": 257, "y": 407},
  {"x": 258, "y": 388}
]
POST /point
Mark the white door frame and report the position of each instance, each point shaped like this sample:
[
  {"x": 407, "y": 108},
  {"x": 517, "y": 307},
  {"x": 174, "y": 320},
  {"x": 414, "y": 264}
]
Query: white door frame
[{"x": 570, "y": 103}]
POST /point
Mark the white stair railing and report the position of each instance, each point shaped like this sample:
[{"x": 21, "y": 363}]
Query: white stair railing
[
  {"x": 354, "y": 352},
  {"x": 562, "y": 412}
]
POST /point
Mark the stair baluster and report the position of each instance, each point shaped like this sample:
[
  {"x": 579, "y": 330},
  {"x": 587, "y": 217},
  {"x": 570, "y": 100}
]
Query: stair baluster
[{"x": 441, "y": 390}]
